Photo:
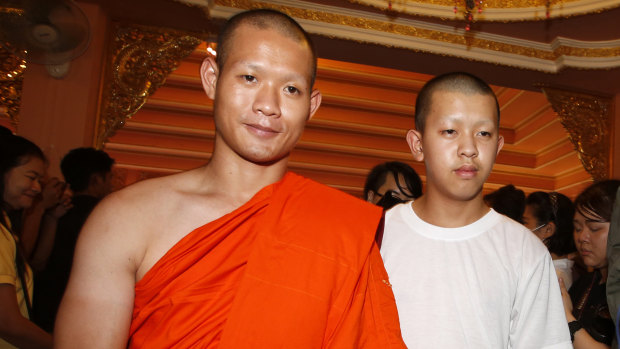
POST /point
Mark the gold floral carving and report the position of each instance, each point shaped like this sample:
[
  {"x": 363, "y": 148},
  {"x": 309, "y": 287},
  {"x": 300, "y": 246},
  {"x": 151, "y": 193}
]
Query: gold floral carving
[
  {"x": 586, "y": 118},
  {"x": 141, "y": 58},
  {"x": 11, "y": 78}
]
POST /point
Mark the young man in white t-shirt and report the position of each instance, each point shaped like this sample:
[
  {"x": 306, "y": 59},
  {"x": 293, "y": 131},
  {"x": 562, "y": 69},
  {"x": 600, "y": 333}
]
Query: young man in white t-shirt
[{"x": 463, "y": 275}]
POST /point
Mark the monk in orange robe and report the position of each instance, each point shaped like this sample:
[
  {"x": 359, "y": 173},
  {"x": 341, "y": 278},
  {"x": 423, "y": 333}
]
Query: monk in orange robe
[
  {"x": 280, "y": 271},
  {"x": 237, "y": 253}
]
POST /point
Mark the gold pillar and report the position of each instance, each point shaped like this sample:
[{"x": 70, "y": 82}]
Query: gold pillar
[
  {"x": 140, "y": 60},
  {"x": 587, "y": 119}
]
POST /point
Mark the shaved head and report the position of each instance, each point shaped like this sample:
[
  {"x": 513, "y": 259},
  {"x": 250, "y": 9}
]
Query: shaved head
[
  {"x": 451, "y": 82},
  {"x": 263, "y": 19}
]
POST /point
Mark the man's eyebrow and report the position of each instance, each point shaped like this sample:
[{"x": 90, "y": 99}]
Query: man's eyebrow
[
  {"x": 292, "y": 75},
  {"x": 252, "y": 65},
  {"x": 298, "y": 78}
]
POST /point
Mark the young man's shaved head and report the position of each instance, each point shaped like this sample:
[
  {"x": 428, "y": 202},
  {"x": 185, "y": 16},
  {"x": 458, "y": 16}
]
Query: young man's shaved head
[
  {"x": 452, "y": 82},
  {"x": 263, "y": 19}
]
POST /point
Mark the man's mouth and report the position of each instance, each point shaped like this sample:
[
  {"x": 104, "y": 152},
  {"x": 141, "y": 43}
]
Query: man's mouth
[
  {"x": 466, "y": 171},
  {"x": 262, "y": 130}
]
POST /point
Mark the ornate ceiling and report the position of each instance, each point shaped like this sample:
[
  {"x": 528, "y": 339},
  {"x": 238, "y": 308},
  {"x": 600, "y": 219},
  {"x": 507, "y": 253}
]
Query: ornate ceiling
[
  {"x": 374, "y": 23},
  {"x": 493, "y": 10}
]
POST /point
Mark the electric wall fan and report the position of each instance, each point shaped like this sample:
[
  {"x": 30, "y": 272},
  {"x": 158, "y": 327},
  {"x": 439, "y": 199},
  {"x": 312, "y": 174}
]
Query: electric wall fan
[{"x": 49, "y": 32}]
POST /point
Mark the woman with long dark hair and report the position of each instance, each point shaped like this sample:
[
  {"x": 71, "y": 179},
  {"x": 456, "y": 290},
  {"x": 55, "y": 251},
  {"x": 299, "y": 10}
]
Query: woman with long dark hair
[
  {"x": 585, "y": 304},
  {"x": 550, "y": 217},
  {"x": 22, "y": 166}
]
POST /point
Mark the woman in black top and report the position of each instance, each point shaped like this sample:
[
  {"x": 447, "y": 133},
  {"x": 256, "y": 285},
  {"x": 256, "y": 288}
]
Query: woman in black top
[{"x": 585, "y": 303}]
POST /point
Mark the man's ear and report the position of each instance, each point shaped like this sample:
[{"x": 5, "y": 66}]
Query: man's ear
[
  {"x": 414, "y": 139},
  {"x": 209, "y": 74},
  {"x": 500, "y": 144},
  {"x": 315, "y": 102}
]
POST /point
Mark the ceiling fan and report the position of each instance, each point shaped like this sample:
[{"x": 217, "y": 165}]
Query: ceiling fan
[{"x": 49, "y": 32}]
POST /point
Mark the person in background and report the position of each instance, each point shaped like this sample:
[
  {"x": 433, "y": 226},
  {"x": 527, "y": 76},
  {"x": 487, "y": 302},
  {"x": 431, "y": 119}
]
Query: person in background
[
  {"x": 22, "y": 168},
  {"x": 5, "y": 132},
  {"x": 585, "y": 303},
  {"x": 390, "y": 183},
  {"x": 613, "y": 277},
  {"x": 39, "y": 221},
  {"x": 508, "y": 201},
  {"x": 550, "y": 217},
  {"x": 88, "y": 172}
]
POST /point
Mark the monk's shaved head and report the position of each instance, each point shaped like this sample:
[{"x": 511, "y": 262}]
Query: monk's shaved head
[{"x": 263, "y": 19}]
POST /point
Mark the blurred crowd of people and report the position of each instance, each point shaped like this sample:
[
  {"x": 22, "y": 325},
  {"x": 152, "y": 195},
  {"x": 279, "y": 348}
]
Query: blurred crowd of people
[{"x": 41, "y": 217}]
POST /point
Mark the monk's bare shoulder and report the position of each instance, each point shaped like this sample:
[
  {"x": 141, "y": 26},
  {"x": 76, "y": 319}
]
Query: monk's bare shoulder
[{"x": 141, "y": 217}]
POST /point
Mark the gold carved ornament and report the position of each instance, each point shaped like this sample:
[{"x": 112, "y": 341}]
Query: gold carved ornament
[
  {"x": 141, "y": 59},
  {"x": 586, "y": 118},
  {"x": 12, "y": 70}
]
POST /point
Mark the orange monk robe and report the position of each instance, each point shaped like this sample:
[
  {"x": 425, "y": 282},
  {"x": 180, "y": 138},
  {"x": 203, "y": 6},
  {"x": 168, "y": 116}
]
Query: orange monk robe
[{"x": 295, "y": 267}]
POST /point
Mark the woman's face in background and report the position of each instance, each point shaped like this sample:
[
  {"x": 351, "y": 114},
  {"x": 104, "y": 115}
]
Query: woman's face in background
[
  {"x": 22, "y": 184},
  {"x": 591, "y": 239}
]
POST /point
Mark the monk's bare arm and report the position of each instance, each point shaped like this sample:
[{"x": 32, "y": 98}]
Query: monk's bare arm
[{"x": 96, "y": 309}]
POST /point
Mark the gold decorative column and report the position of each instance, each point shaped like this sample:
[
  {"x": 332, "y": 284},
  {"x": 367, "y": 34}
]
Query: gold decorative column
[
  {"x": 586, "y": 118},
  {"x": 140, "y": 60},
  {"x": 11, "y": 77}
]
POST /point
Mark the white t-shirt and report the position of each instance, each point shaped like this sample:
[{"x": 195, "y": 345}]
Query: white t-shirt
[{"x": 490, "y": 284}]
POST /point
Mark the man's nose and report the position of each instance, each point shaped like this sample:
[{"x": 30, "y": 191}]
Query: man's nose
[
  {"x": 267, "y": 100},
  {"x": 467, "y": 146}
]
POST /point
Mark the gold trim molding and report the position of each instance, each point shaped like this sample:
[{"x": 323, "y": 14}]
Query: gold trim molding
[
  {"x": 140, "y": 60},
  {"x": 493, "y": 10},
  {"x": 368, "y": 27},
  {"x": 12, "y": 70},
  {"x": 586, "y": 118}
]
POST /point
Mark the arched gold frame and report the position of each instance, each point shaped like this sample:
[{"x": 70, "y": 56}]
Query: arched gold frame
[
  {"x": 140, "y": 58},
  {"x": 587, "y": 119}
]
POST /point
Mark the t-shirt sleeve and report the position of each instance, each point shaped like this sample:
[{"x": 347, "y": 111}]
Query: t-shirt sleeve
[
  {"x": 7, "y": 258},
  {"x": 537, "y": 319}
]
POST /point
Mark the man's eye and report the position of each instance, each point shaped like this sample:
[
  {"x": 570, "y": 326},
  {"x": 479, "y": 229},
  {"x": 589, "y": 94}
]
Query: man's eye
[
  {"x": 249, "y": 78},
  {"x": 448, "y": 132},
  {"x": 485, "y": 134},
  {"x": 292, "y": 90}
]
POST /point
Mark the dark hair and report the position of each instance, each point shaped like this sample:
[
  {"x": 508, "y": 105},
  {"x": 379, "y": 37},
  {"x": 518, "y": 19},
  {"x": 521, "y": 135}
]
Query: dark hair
[
  {"x": 5, "y": 132},
  {"x": 15, "y": 151},
  {"x": 263, "y": 19},
  {"x": 598, "y": 199},
  {"x": 453, "y": 82},
  {"x": 559, "y": 209},
  {"x": 508, "y": 201},
  {"x": 81, "y": 163},
  {"x": 378, "y": 176}
]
